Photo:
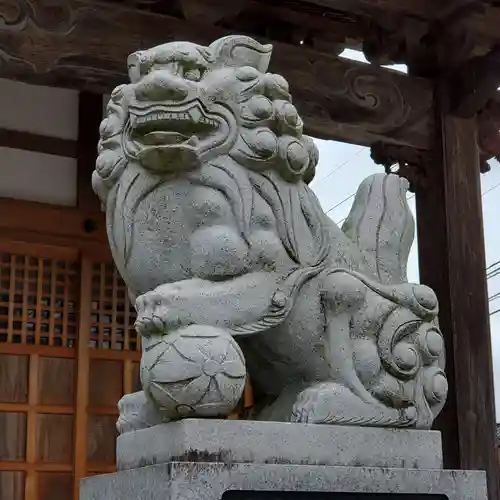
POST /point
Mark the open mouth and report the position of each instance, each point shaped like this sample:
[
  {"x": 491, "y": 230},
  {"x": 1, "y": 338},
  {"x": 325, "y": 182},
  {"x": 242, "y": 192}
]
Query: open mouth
[{"x": 170, "y": 128}]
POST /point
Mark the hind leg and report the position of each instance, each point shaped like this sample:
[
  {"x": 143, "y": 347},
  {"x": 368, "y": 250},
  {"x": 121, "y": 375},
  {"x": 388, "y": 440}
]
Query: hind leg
[{"x": 343, "y": 398}]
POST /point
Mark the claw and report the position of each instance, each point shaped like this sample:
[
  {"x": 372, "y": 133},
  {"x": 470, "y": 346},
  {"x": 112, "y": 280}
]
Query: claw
[{"x": 158, "y": 323}]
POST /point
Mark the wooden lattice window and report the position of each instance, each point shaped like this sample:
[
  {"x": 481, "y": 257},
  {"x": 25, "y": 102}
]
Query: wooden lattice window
[
  {"x": 38, "y": 300},
  {"x": 113, "y": 317},
  {"x": 68, "y": 352}
]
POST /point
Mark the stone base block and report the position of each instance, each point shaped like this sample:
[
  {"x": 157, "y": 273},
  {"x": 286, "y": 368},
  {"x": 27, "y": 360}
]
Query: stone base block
[
  {"x": 219, "y": 481},
  {"x": 244, "y": 441}
]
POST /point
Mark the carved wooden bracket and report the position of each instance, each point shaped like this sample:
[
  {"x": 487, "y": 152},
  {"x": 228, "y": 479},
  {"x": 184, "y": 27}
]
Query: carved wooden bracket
[
  {"x": 426, "y": 45},
  {"x": 488, "y": 130},
  {"x": 412, "y": 163},
  {"x": 475, "y": 83},
  {"x": 394, "y": 39},
  {"x": 406, "y": 162}
]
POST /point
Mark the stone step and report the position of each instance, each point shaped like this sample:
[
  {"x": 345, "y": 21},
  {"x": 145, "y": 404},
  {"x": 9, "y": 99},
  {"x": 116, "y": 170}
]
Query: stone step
[{"x": 246, "y": 441}]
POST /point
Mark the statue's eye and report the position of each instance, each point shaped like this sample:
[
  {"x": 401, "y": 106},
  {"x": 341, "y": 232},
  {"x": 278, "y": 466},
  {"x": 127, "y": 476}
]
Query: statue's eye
[{"x": 193, "y": 75}]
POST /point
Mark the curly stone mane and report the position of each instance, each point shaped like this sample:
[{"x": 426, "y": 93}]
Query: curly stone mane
[{"x": 268, "y": 127}]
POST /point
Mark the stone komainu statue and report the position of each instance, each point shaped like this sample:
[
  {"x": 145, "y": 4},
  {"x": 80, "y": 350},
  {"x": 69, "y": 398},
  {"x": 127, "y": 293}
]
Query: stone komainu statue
[{"x": 234, "y": 267}]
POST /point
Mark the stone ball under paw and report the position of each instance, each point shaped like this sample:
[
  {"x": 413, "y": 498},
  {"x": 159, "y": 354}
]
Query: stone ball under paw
[{"x": 194, "y": 371}]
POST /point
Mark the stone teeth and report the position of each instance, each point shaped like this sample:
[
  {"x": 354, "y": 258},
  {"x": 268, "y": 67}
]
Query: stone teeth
[{"x": 193, "y": 115}]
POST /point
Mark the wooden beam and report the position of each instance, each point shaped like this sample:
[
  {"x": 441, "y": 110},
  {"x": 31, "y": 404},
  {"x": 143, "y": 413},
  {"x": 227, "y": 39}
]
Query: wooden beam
[
  {"x": 482, "y": 26},
  {"x": 419, "y": 8},
  {"x": 37, "y": 143},
  {"x": 422, "y": 9},
  {"x": 87, "y": 48},
  {"x": 89, "y": 119},
  {"x": 211, "y": 11},
  {"x": 51, "y": 220},
  {"x": 485, "y": 24},
  {"x": 452, "y": 262}
]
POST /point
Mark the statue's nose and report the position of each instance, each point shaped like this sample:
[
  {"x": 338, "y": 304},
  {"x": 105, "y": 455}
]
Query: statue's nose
[{"x": 162, "y": 85}]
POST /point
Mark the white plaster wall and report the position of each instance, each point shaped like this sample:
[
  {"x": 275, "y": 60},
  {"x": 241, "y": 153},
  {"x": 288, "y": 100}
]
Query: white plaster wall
[
  {"x": 25, "y": 175},
  {"x": 46, "y": 111},
  {"x": 40, "y": 110}
]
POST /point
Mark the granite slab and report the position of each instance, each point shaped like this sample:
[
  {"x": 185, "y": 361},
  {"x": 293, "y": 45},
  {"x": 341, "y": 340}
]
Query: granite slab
[
  {"x": 244, "y": 441},
  {"x": 210, "y": 481}
]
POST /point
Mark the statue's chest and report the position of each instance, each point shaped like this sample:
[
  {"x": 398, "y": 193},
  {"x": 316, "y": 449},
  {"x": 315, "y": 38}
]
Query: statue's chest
[
  {"x": 152, "y": 224},
  {"x": 165, "y": 213}
]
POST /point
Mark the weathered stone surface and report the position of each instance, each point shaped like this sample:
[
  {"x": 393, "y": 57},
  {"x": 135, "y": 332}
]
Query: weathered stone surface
[
  {"x": 208, "y": 359},
  {"x": 208, "y": 481},
  {"x": 232, "y": 441},
  {"x": 203, "y": 170}
]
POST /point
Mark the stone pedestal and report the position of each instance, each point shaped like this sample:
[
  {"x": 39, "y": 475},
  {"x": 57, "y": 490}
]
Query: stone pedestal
[{"x": 245, "y": 460}]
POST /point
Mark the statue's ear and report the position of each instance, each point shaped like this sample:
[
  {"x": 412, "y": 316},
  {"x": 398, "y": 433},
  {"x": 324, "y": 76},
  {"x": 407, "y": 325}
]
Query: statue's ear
[{"x": 240, "y": 50}]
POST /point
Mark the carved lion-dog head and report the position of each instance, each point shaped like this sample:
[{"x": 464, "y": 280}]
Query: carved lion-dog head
[{"x": 187, "y": 104}]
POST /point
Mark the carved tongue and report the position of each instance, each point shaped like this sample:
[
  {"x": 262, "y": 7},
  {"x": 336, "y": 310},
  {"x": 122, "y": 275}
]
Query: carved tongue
[{"x": 163, "y": 138}]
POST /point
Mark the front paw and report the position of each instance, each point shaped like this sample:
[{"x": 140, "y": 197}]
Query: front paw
[
  {"x": 155, "y": 314},
  {"x": 171, "y": 306}
]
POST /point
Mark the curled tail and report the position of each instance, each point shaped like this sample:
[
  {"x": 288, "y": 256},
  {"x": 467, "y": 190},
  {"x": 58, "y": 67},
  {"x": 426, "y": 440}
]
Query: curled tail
[{"x": 382, "y": 226}]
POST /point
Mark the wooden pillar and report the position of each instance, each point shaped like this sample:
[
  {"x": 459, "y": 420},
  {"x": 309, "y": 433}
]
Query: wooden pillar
[
  {"x": 82, "y": 377},
  {"x": 90, "y": 107},
  {"x": 452, "y": 262}
]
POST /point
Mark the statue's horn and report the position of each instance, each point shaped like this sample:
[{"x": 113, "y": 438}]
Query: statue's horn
[{"x": 240, "y": 50}]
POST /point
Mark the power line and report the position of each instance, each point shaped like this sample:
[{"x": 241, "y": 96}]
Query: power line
[
  {"x": 491, "y": 189},
  {"x": 343, "y": 164},
  {"x": 492, "y": 265},
  {"x": 493, "y": 274},
  {"x": 341, "y": 202},
  {"x": 493, "y": 270},
  {"x": 342, "y": 220}
]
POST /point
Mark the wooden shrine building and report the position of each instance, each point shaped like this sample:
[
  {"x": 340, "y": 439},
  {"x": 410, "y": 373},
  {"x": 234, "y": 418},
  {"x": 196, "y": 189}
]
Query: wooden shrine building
[{"x": 67, "y": 349}]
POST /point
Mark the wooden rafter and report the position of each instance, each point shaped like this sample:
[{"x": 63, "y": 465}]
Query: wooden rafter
[
  {"x": 37, "y": 143},
  {"x": 418, "y": 8},
  {"x": 85, "y": 46},
  {"x": 482, "y": 24}
]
